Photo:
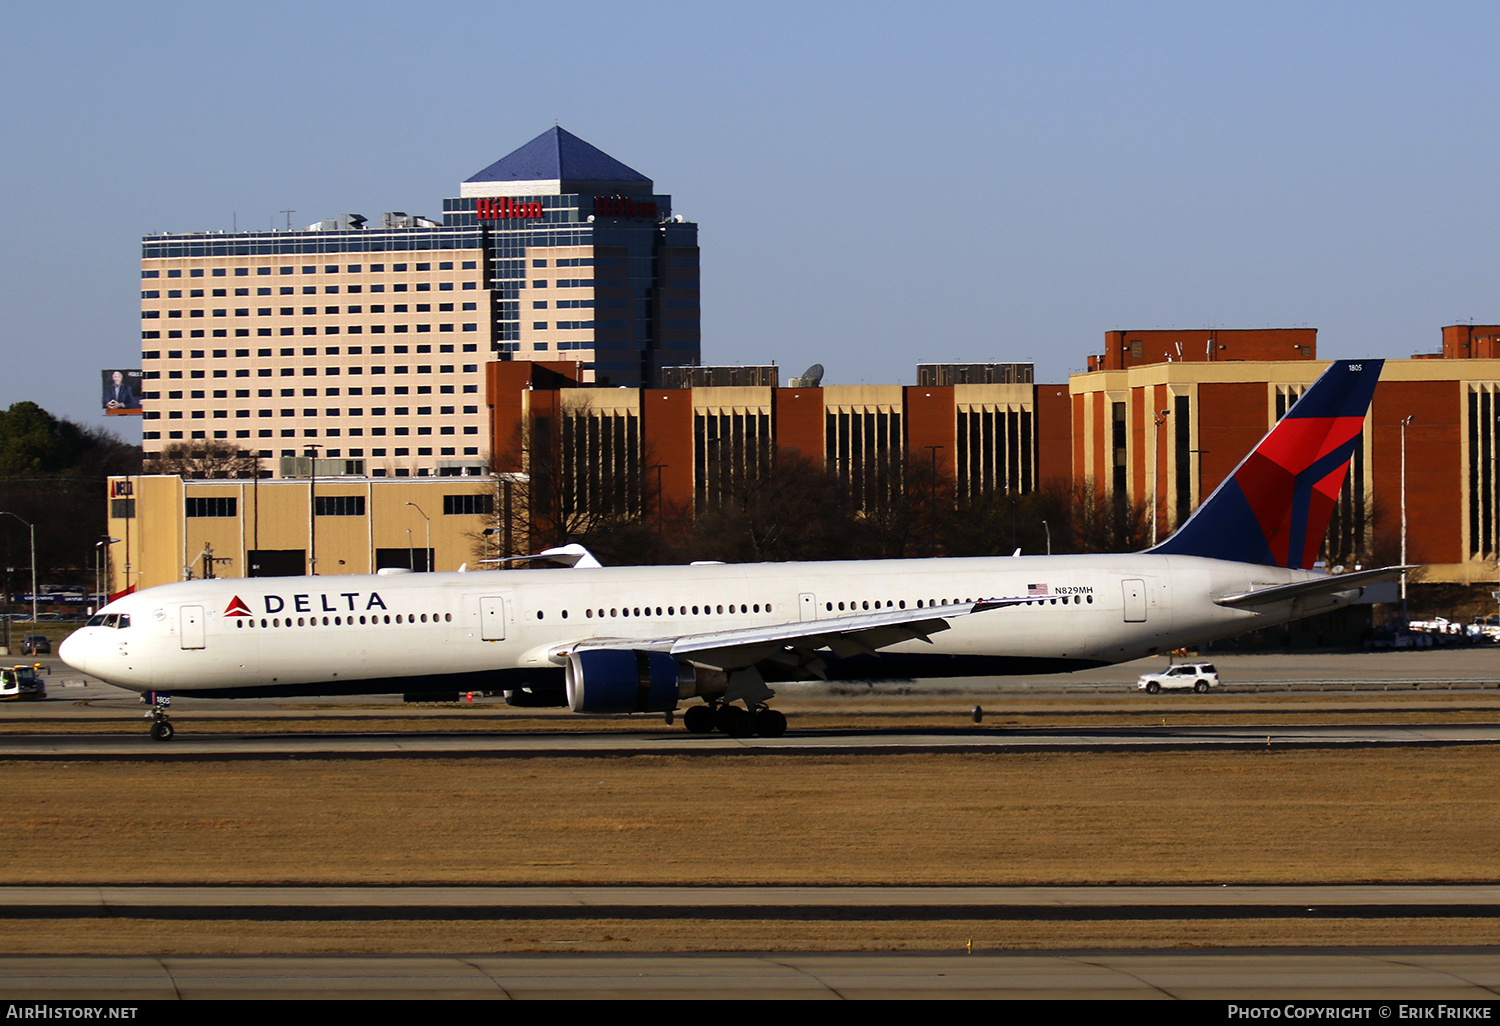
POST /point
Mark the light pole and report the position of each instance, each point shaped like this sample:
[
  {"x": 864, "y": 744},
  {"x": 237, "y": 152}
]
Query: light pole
[
  {"x": 32, "y": 528},
  {"x": 252, "y": 567},
  {"x": 1409, "y": 418},
  {"x": 312, "y": 508},
  {"x": 427, "y": 559},
  {"x": 99, "y": 554},
  {"x": 1159, "y": 420},
  {"x": 1049, "y": 537}
]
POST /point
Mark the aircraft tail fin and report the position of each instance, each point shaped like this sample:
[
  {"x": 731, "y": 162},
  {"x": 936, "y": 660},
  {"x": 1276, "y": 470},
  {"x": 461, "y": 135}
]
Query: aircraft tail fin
[{"x": 1274, "y": 509}]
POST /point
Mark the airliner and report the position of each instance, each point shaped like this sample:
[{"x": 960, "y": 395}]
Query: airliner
[{"x": 606, "y": 640}]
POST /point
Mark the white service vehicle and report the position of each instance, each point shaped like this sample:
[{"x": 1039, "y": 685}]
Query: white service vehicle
[{"x": 1198, "y": 676}]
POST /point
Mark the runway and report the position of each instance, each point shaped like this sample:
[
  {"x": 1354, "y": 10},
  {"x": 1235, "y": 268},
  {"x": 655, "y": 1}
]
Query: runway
[
  {"x": 1463, "y": 974},
  {"x": 87, "y": 719},
  {"x": 657, "y": 741},
  {"x": 1381, "y": 976},
  {"x": 346, "y": 903}
]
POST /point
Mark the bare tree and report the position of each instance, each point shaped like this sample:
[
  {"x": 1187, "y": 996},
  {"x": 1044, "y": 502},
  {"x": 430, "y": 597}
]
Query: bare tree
[
  {"x": 1102, "y": 522},
  {"x": 203, "y": 460},
  {"x": 788, "y": 510},
  {"x": 910, "y": 513}
]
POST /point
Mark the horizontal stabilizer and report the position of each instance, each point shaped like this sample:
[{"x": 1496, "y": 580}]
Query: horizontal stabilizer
[
  {"x": 573, "y": 555},
  {"x": 1332, "y": 585}
]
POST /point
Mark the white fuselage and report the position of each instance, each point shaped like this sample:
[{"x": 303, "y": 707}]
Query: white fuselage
[{"x": 498, "y": 627}]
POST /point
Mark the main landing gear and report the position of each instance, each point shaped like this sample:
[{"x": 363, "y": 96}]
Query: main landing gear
[
  {"x": 161, "y": 723},
  {"x": 759, "y": 720}
]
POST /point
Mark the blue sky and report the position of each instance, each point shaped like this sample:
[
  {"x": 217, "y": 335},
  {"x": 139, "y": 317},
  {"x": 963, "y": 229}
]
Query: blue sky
[{"x": 876, "y": 184}]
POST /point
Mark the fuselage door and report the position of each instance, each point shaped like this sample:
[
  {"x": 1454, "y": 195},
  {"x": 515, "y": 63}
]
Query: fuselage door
[
  {"x": 192, "y": 627},
  {"x": 492, "y": 617},
  {"x": 807, "y": 605},
  {"x": 1135, "y": 601}
]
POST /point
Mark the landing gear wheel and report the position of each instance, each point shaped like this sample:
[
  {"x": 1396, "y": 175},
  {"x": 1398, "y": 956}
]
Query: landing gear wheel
[
  {"x": 160, "y": 702},
  {"x": 1201, "y": 687},
  {"x": 769, "y": 722},
  {"x": 698, "y": 719},
  {"x": 734, "y": 721}
]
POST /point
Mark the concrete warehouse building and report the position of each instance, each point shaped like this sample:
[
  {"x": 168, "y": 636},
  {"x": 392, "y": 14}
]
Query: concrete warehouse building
[{"x": 170, "y": 529}]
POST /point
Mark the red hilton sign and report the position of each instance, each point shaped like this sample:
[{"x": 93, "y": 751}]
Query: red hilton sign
[{"x": 504, "y": 209}]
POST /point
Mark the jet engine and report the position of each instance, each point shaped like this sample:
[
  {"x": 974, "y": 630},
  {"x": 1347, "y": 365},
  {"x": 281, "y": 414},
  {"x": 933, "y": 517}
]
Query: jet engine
[{"x": 623, "y": 681}]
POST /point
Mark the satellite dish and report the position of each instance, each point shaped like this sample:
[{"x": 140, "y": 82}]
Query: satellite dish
[{"x": 811, "y": 378}]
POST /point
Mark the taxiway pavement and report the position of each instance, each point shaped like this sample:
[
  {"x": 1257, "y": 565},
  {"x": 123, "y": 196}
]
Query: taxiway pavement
[{"x": 1387, "y": 976}]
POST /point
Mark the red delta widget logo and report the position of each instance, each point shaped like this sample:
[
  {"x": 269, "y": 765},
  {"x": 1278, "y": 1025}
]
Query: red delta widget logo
[{"x": 341, "y": 602}]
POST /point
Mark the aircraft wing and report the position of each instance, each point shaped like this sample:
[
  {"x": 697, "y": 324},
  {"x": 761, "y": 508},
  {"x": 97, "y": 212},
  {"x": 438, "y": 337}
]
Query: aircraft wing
[
  {"x": 1331, "y": 585},
  {"x": 797, "y": 643}
]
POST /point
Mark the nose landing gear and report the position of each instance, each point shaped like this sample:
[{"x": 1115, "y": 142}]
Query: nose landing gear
[{"x": 161, "y": 723}]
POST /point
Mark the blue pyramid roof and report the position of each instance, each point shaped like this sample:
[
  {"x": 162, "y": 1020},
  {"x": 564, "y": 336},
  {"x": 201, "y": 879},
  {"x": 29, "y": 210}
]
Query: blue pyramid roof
[{"x": 558, "y": 155}]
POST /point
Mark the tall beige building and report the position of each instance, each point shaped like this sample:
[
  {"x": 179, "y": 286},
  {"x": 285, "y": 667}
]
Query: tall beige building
[
  {"x": 364, "y": 343},
  {"x": 376, "y": 361}
]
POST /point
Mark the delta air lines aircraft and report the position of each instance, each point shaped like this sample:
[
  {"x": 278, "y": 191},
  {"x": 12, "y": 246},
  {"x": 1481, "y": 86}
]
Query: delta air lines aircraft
[{"x": 644, "y": 639}]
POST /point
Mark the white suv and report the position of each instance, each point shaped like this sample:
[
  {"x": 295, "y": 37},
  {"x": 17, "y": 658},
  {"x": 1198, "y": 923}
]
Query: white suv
[{"x": 1198, "y": 676}]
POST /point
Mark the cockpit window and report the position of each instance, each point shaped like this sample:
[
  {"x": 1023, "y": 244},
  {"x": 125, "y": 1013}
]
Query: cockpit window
[{"x": 116, "y": 620}]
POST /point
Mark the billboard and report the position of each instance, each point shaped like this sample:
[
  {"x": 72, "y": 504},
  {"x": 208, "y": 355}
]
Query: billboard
[{"x": 122, "y": 392}]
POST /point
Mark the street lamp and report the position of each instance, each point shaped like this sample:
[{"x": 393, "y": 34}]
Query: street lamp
[
  {"x": 1049, "y": 537},
  {"x": 32, "y": 527},
  {"x": 427, "y": 559},
  {"x": 1409, "y": 418},
  {"x": 1159, "y": 420},
  {"x": 312, "y": 504},
  {"x": 253, "y": 566},
  {"x": 99, "y": 554}
]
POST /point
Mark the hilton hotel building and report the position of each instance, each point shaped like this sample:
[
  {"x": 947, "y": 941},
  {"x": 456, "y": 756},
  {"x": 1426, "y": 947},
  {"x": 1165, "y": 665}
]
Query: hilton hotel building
[{"x": 366, "y": 343}]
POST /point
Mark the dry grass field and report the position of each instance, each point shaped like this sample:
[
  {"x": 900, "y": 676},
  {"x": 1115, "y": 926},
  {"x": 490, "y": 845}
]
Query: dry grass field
[
  {"x": 1086, "y": 818},
  {"x": 1325, "y": 816}
]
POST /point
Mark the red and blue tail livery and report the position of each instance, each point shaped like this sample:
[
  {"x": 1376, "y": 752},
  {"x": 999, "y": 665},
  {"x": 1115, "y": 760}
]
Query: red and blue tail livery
[{"x": 1274, "y": 509}]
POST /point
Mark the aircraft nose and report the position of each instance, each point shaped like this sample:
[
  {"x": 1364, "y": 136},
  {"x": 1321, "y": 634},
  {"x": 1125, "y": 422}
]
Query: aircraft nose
[{"x": 77, "y": 650}]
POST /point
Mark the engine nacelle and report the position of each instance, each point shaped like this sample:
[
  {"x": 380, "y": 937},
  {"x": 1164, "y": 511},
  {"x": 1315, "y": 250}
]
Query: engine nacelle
[{"x": 624, "y": 681}]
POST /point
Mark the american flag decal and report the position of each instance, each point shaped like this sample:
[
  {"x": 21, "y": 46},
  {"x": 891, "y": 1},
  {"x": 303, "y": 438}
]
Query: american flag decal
[{"x": 1033, "y": 590}]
